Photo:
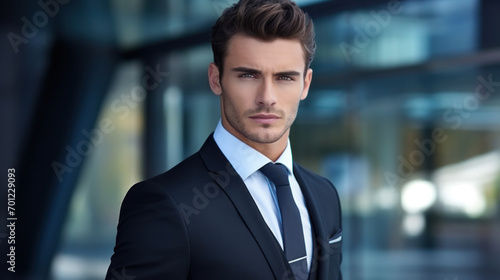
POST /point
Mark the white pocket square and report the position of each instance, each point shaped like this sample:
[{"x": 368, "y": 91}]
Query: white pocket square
[{"x": 335, "y": 240}]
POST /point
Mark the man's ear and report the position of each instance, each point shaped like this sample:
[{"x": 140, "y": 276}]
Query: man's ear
[
  {"x": 214, "y": 79},
  {"x": 307, "y": 83}
]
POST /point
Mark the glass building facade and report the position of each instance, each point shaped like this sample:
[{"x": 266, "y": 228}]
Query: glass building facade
[{"x": 403, "y": 116}]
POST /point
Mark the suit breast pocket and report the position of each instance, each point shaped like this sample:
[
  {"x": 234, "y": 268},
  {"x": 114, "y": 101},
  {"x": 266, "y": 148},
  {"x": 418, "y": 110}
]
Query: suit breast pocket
[
  {"x": 335, "y": 242},
  {"x": 334, "y": 256},
  {"x": 330, "y": 250}
]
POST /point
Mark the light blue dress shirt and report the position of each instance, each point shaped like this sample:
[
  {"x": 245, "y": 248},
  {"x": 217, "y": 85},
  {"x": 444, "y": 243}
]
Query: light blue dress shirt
[{"x": 247, "y": 162}]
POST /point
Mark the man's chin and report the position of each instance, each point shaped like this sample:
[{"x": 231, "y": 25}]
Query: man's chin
[{"x": 265, "y": 137}]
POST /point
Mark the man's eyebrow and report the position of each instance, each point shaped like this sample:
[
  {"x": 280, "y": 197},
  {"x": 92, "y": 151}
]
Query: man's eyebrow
[
  {"x": 246, "y": 70},
  {"x": 288, "y": 73},
  {"x": 255, "y": 71}
]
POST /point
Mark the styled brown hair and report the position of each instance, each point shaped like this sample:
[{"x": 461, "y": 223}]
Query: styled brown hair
[{"x": 265, "y": 20}]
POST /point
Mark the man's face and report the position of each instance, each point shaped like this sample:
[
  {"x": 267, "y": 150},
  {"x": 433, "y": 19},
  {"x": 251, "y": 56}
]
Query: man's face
[{"x": 261, "y": 88}]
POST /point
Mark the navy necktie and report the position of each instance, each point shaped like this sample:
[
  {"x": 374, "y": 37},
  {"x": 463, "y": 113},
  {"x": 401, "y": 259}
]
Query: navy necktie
[{"x": 293, "y": 237}]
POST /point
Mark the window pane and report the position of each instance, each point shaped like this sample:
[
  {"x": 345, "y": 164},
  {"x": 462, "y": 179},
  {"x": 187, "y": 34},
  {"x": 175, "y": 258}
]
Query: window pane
[{"x": 108, "y": 172}]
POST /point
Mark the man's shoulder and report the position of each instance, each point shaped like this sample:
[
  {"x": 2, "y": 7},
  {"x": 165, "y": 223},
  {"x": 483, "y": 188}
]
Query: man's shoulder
[
  {"x": 316, "y": 182},
  {"x": 189, "y": 168},
  {"x": 187, "y": 173},
  {"x": 180, "y": 179},
  {"x": 307, "y": 174}
]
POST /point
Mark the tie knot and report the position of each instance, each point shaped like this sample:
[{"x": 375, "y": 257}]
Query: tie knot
[{"x": 277, "y": 173}]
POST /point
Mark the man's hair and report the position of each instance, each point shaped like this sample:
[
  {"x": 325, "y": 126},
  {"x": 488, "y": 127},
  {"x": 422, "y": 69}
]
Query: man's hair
[{"x": 265, "y": 20}]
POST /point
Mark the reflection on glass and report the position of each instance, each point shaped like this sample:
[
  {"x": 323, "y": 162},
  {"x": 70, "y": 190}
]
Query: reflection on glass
[
  {"x": 109, "y": 171},
  {"x": 412, "y": 148}
]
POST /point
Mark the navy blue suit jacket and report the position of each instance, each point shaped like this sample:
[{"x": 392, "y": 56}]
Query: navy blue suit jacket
[{"x": 198, "y": 221}]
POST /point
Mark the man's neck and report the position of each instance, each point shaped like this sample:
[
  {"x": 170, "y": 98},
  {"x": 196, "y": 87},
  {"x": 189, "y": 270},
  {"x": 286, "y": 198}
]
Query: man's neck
[{"x": 271, "y": 150}]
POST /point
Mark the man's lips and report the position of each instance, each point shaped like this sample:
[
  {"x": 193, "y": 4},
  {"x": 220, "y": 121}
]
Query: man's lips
[{"x": 265, "y": 118}]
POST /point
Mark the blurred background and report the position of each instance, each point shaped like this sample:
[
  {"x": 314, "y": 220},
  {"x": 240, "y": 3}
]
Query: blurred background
[{"x": 403, "y": 117}]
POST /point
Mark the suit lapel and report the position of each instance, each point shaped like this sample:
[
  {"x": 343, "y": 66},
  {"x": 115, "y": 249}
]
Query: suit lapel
[
  {"x": 318, "y": 270},
  {"x": 226, "y": 177}
]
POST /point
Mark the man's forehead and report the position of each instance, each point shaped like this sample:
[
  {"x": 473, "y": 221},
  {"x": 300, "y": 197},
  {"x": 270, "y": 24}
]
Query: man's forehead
[{"x": 279, "y": 54}]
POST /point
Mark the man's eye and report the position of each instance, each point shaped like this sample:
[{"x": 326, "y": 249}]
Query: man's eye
[
  {"x": 247, "y": 75},
  {"x": 285, "y": 78}
]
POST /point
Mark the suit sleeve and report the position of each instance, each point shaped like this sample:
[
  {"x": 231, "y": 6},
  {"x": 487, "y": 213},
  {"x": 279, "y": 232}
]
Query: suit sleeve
[
  {"x": 339, "y": 219},
  {"x": 151, "y": 241},
  {"x": 334, "y": 248}
]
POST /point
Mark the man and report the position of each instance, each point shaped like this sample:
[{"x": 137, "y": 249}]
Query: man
[{"x": 240, "y": 208}]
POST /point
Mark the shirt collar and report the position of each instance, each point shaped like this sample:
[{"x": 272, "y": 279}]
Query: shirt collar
[{"x": 245, "y": 159}]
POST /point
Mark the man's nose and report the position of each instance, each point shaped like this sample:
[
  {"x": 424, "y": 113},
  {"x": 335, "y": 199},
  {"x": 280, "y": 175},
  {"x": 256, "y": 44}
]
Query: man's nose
[{"x": 267, "y": 93}]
